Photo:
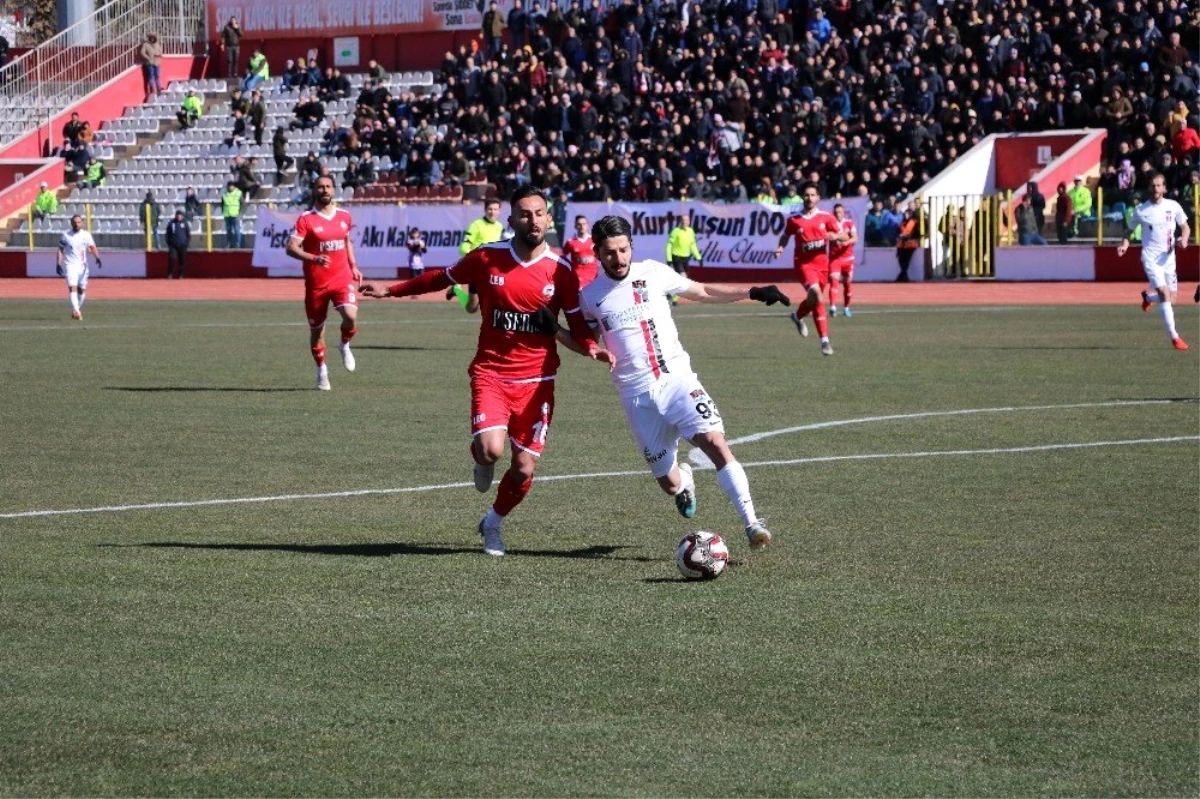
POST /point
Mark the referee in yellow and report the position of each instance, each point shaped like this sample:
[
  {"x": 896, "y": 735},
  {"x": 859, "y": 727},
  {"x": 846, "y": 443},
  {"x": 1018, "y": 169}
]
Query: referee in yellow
[
  {"x": 681, "y": 246},
  {"x": 484, "y": 230}
]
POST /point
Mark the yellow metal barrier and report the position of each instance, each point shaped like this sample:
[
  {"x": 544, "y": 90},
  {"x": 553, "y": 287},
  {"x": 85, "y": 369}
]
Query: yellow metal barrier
[
  {"x": 963, "y": 234},
  {"x": 29, "y": 224},
  {"x": 87, "y": 209},
  {"x": 208, "y": 227}
]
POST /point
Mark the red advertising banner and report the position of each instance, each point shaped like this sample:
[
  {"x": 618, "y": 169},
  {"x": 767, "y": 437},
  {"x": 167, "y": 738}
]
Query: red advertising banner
[{"x": 277, "y": 19}]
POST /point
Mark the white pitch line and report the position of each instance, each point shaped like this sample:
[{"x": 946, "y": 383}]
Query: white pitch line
[
  {"x": 590, "y": 476},
  {"x": 932, "y": 414}
]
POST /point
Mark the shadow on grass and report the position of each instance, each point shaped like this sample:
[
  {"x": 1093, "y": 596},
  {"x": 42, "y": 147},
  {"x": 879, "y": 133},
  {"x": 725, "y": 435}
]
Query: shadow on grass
[
  {"x": 186, "y": 389},
  {"x": 389, "y": 550}
]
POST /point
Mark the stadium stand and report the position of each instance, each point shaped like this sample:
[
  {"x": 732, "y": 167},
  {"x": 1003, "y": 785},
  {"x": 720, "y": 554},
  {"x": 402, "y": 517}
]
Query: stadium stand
[
  {"x": 715, "y": 100},
  {"x": 172, "y": 159}
]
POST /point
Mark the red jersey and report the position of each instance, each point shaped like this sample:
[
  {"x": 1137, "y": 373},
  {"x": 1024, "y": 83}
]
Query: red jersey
[
  {"x": 812, "y": 244},
  {"x": 841, "y": 253},
  {"x": 325, "y": 235},
  {"x": 582, "y": 255},
  {"x": 510, "y": 291}
]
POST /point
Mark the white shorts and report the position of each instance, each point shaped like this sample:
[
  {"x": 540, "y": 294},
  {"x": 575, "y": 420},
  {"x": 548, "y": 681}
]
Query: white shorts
[
  {"x": 76, "y": 276},
  {"x": 676, "y": 406},
  {"x": 1161, "y": 272}
]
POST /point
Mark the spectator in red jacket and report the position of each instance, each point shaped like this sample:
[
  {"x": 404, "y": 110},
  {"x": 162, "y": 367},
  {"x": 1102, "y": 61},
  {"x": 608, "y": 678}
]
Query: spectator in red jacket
[{"x": 1185, "y": 143}]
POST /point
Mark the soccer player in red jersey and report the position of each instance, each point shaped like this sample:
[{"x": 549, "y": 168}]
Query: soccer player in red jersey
[
  {"x": 841, "y": 262},
  {"x": 522, "y": 284},
  {"x": 322, "y": 241},
  {"x": 813, "y": 230},
  {"x": 580, "y": 253}
]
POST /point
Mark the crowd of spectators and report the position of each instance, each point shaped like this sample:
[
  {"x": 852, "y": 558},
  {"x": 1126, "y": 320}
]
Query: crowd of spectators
[{"x": 742, "y": 99}]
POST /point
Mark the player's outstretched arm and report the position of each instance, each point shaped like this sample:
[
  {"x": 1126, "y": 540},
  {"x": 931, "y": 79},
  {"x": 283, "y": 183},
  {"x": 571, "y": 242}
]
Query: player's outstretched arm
[
  {"x": 431, "y": 281},
  {"x": 719, "y": 292}
]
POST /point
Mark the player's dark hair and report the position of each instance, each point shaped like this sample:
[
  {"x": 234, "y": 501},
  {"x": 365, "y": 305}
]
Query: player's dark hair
[
  {"x": 490, "y": 202},
  {"x": 839, "y": 205},
  {"x": 609, "y": 227},
  {"x": 1156, "y": 175},
  {"x": 580, "y": 216},
  {"x": 809, "y": 184},
  {"x": 525, "y": 192}
]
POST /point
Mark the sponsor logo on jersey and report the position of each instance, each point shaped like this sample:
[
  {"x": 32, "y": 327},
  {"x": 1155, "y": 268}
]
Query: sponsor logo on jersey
[
  {"x": 337, "y": 245},
  {"x": 548, "y": 290},
  {"x": 513, "y": 321},
  {"x": 617, "y": 319},
  {"x": 496, "y": 280}
]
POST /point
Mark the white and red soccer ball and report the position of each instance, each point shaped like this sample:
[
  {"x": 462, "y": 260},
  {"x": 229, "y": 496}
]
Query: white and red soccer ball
[{"x": 701, "y": 555}]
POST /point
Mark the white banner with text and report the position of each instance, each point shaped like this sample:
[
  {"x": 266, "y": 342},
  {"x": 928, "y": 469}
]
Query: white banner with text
[
  {"x": 378, "y": 237},
  {"x": 741, "y": 236}
]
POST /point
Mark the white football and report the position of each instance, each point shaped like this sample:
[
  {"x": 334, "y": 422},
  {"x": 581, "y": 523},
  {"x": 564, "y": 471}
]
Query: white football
[{"x": 701, "y": 555}]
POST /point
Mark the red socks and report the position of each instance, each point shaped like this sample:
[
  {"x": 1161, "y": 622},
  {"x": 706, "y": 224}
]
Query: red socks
[
  {"x": 821, "y": 320},
  {"x": 348, "y": 334},
  {"x": 318, "y": 353},
  {"x": 510, "y": 493}
]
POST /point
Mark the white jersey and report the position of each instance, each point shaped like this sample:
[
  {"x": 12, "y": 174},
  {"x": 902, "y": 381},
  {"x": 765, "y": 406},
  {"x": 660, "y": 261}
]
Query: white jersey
[
  {"x": 1158, "y": 221},
  {"x": 74, "y": 248},
  {"x": 634, "y": 318}
]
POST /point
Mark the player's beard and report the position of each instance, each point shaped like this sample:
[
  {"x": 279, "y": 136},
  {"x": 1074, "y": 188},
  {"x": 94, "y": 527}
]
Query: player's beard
[{"x": 532, "y": 239}]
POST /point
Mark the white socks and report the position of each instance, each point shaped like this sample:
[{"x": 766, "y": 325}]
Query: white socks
[
  {"x": 1168, "y": 314},
  {"x": 733, "y": 482},
  {"x": 76, "y": 300}
]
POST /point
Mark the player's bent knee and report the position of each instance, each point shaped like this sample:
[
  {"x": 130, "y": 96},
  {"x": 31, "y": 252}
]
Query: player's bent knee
[{"x": 487, "y": 454}]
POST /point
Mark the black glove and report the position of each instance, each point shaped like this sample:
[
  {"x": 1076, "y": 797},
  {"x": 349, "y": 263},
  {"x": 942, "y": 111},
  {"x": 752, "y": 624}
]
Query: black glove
[
  {"x": 98, "y": 264},
  {"x": 769, "y": 294},
  {"x": 545, "y": 321},
  {"x": 58, "y": 270}
]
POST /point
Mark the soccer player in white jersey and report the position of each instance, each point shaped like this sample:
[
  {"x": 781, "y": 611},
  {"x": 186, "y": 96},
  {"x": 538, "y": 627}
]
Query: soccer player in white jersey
[
  {"x": 1159, "y": 217},
  {"x": 73, "y": 248},
  {"x": 629, "y": 305}
]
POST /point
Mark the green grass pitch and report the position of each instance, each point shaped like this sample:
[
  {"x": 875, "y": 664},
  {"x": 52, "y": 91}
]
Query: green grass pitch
[{"x": 997, "y": 603}]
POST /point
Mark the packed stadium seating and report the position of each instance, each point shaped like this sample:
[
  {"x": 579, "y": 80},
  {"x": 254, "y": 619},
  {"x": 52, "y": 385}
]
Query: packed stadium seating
[{"x": 874, "y": 97}]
